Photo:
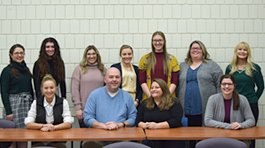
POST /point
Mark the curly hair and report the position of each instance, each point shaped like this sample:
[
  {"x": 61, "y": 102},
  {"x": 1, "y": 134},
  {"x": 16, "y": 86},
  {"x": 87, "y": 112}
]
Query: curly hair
[
  {"x": 83, "y": 63},
  {"x": 167, "y": 100},
  {"x": 43, "y": 59},
  {"x": 15, "y": 71}
]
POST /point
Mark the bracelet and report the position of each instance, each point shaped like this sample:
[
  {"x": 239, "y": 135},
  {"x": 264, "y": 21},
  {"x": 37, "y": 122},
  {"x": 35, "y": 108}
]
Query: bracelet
[
  {"x": 137, "y": 101},
  {"x": 123, "y": 124},
  {"x": 42, "y": 125}
]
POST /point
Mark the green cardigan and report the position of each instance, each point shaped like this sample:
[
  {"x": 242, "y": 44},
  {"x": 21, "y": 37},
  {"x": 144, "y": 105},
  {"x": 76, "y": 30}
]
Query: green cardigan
[{"x": 245, "y": 85}]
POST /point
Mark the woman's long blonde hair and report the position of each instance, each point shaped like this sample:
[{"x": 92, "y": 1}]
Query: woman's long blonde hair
[
  {"x": 167, "y": 100},
  {"x": 84, "y": 62},
  {"x": 249, "y": 64},
  {"x": 152, "y": 59}
]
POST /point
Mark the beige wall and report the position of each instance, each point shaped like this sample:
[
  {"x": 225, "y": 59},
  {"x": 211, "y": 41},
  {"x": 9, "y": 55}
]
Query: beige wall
[{"x": 108, "y": 24}]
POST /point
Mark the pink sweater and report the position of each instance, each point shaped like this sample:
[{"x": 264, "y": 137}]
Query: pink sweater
[{"x": 83, "y": 84}]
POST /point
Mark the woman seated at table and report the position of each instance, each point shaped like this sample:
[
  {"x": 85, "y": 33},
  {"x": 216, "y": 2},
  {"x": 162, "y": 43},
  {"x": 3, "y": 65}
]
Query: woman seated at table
[
  {"x": 50, "y": 112},
  {"x": 228, "y": 110},
  {"x": 159, "y": 111}
]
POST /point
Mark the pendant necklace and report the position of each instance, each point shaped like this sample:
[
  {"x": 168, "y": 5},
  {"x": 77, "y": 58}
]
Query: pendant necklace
[{"x": 240, "y": 71}]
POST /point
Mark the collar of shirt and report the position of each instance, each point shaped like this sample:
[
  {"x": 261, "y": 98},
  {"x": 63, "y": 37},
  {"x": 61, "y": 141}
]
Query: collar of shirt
[{"x": 45, "y": 103}]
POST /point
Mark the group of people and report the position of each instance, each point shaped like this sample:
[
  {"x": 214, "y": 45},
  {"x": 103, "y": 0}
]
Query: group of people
[{"x": 156, "y": 94}]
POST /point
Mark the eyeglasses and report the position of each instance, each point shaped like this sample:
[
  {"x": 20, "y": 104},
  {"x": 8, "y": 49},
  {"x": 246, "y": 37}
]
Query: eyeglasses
[
  {"x": 193, "y": 48},
  {"x": 18, "y": 53},
  {"x": 91, "y": 54},
  {"x": 159, "y": 41},
  {"x": 229, "y": 84}
]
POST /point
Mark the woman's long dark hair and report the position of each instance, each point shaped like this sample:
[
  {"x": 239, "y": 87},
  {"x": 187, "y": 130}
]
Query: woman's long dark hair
[
  {"x": 43, "y": 59},
  {"x": 235, "y": 95},
  {"x": 15, "y": 71}
]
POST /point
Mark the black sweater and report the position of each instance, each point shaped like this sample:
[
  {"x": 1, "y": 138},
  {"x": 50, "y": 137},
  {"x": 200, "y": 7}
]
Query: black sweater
[
  {"x": 173, "y": 116},
  {"x": 37, "y": 80}
]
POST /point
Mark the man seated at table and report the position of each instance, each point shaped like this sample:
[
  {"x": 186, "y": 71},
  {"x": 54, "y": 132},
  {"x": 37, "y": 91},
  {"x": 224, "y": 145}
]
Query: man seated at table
[{"x": 110, "y": 107}]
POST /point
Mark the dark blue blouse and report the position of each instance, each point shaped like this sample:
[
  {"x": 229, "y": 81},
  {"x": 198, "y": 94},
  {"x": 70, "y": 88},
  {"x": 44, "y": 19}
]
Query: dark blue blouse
[{"x": 193, "y": 104}]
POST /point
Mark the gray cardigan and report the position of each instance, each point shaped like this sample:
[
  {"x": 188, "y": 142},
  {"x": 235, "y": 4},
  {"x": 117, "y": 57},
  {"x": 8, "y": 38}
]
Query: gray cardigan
[
  {"x": 208, "y": 80},
  {"x": 215, "y": 113}
]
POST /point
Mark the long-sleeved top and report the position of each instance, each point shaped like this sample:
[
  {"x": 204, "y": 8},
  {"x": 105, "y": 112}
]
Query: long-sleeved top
[
  {"x": 13, "y": 85},
  {"x": 146, "y": 75},
  {"x": 173, "y": 116},
  {"x": 82, "y": 84},
  {"x": 215, "y": 113},
  {"x": 208, "y": 77},
  {"x": 245, "y": 85},
  {"x": 37, "y": 80},
  {"x": 138, "y": 88},
  {"x": 32, "y": 114},
  {"x": 101, "y": 107}
]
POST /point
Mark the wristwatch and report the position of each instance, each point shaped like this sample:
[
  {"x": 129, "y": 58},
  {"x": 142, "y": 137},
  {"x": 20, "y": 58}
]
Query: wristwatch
[{"x": 123, "y": 124}]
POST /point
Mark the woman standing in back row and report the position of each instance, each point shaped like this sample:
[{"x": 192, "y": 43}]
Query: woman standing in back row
[
  {"x": 198, "y": 79},
  {"x": 49, "y": 62},
  {"x": 248, "y": 75},
  {"x": 158, "y": 64},
  {"x": 16, "y": 89},
  {"x": 87, "y": 76},
  {"x": 129, "y": 74}
]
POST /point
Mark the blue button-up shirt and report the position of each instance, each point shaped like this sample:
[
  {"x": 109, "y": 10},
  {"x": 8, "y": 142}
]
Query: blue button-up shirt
[{"x": 192, "y": 94}]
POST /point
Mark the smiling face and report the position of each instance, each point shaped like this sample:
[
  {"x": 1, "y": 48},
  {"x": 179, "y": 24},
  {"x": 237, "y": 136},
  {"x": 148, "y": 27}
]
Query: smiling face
[
  {"x": 49, "y": 47},
  {"x": 196, "y": 52},
  {"x": 158, "y": 43},
  {"x": 112, "y": 80},
  {"x": 48, "y": 88},
  {"x": 91, "y": 56},
  {"x": 126, "y": 55},
  {"x": 227, "y": 86},
  {"x": 242, "y": 52},
  {"x": 18, "y": 55},
  {"x": 156, "y": 91}
]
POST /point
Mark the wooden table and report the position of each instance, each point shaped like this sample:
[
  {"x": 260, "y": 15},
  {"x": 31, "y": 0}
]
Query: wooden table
[
  {"x": 92, "y": 134},
  {"x": 74, "y": 134},
  {"x": 200, "y": 133}
]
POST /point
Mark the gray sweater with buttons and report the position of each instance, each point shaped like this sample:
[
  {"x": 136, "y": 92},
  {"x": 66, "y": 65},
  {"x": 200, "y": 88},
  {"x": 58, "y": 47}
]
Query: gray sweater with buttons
[
  {"x": 208, "y": 81},
  {"x": 215, "y": 113}
]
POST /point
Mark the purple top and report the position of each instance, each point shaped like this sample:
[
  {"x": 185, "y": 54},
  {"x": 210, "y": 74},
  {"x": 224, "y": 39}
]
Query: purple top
[{"x": 227, "y": 110}]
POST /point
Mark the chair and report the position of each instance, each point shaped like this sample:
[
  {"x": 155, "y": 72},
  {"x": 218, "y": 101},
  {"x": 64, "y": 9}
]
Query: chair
[
  {"x": 221, "y": 142},
  {"x": 184, "y": 121},
  {"x": 126, "y": 144},
  {"x": 4, "y": 123}
]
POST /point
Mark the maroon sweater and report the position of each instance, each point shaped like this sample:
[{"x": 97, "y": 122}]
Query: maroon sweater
[{"x": 159, "y": 72}]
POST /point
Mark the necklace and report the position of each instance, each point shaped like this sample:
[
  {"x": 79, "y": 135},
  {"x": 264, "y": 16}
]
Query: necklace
[{"x": 240, "y": 71}]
